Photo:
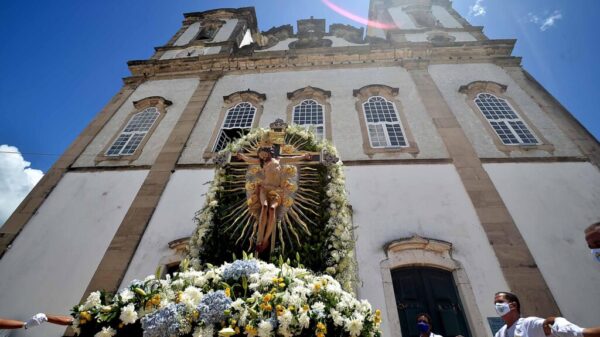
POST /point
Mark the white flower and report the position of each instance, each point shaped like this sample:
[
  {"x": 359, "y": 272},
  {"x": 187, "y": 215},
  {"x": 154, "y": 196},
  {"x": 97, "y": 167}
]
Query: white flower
[
  {"x": 213, "y": 203},
  {"x": 238, "y": 304},
  {"x": 286, "y": 319},
  {"x": 128, "y": 314},
  {"x": 149, "y": 278},
  {"x": 318, "y": 308},
  {"x": 304, "y": 320},
  {"x": 354, "y": 327},
  {"x": 191, "y": 296},
  {"x": 92, "y": 301},
  {"x": 126, "y": 295},
  {"x": 106, "y": 332},
  {"x": 264, "y": 329},
  {"x": 337, "y": 317}
]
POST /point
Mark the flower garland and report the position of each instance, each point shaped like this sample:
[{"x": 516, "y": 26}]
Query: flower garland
[
  {"x": 340, "y": 262},
  {"x": 244, "y": 298}
]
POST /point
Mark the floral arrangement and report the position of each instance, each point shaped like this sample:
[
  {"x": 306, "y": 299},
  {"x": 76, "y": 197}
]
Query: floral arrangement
[
  {"x": 339, "y": 261},
  {"x": 245, "y": 298}
]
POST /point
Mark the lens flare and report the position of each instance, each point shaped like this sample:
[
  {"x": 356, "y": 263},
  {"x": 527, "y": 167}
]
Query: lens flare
[{"x": 359, "y": 19}]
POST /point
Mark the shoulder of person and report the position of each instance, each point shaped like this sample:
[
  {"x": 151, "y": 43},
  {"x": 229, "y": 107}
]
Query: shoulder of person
[{"x": 500, "y": 331}]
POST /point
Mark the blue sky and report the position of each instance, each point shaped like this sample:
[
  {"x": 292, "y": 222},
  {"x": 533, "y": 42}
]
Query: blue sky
[{"x": 62, "y": 60}]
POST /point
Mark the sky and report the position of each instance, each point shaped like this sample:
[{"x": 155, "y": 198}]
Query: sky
[{"x": 61, "y": 61}]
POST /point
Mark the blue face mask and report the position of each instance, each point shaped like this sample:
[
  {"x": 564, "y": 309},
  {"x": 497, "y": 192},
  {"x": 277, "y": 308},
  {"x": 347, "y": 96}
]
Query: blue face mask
[
  {"x": 423, "y": 327},
  {"x": 596, "y": 254}
]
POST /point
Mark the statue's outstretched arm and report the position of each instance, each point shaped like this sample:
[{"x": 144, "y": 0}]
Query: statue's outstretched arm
[
  {"x": 247, "y": 159},
  {"x": 295, "y": 159}
]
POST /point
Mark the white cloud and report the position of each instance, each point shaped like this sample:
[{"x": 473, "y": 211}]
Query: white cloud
[
  {"x": 477, "y": 8},
  {"x": 16, "y": 180},
  {"x": 547, "y": 22}
]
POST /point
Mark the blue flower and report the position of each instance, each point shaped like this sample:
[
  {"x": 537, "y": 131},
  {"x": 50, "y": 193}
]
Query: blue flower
[
  {"x": 168, "y": 321},
  {"x": 212, "y": 307},
  {"x": 240, "y": 268}
]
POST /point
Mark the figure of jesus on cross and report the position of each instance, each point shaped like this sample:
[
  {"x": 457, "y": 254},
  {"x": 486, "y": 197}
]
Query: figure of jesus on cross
[{"x": 270, "y": 190}]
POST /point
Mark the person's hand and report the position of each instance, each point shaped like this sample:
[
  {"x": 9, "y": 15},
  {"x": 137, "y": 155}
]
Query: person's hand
[
  {"x": 307, "y": 156},
  {"x": 563, "y": 328},
  {"x": 36, "y": 320}
]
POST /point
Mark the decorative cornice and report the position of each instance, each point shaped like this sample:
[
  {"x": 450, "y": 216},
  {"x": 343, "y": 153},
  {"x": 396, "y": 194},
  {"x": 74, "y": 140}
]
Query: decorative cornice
[
  {"x": 479, "y": 86},
  {"x": 371, "y": 87},
  {"x": 418, "y": 242},
  {"x": 495, "y": 51},
  {"x": 295, "y": 93},
  {"x": 242, "y": 95}
]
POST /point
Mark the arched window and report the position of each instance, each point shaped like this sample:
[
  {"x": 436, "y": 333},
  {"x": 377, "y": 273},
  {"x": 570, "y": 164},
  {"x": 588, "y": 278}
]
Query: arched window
[
  {"x": 237, "y": 123},
  {"x": 134, "y": 132},
  {"x": 383, "y": 123},
  {"x": 310, "y": 113},
  {"x": 511, "y": 129}
]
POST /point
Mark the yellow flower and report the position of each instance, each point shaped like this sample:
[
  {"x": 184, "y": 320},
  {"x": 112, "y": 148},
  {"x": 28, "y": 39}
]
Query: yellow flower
[
  {"x": 228, "y": 292},
  {"x": 254, "y": 170},
  {"x": 85, "y": 315},
  {"x": 317, "y": 287},
  {"x": 178, "y": 296},
  {"x": 196, "y": 314},
  {"x": 305, "y": 307},
  {"x": 268, "y": 297},
  {"x": 289, "y": 170},
  {"x": 250, "y": 329},
  {"x": 281, "y": 285},
  {"x": 155, "y": 300}
]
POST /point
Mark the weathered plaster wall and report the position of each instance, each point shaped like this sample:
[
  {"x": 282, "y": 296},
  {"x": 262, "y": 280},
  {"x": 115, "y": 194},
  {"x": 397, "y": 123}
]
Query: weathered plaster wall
[
  {"x": 552, "y": 204},
  {"x": 178, "y": 91},
  {"x": 401, "y": 19},
  {"x": 442, "y": 15},
  {"x": 450, "y": 77},
  {"x": 345, "y": 123},
  {"x": 388, "y": 204},
  {"x": 284, "y": 45},
  {"x": 173, "y": 219},
  {"x": 459, "y": 37},
  {"x": 190, "y": 52},
  {"x": 225, "y": 31},
  {"x": 188, "y": 35},
  {"x": 53, "y": 259}
]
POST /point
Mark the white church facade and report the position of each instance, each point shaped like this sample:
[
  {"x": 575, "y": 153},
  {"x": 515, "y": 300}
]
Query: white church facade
[{"x": 465, "y": 176}]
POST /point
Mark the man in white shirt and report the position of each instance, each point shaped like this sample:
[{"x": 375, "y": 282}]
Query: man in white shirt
[{"x": 508, "y": 308}]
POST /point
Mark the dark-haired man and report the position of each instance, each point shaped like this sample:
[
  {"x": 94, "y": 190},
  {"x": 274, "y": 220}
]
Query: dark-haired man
[
  {"x": 508, "y": 308},
  {"x": 592, "y": 236}
]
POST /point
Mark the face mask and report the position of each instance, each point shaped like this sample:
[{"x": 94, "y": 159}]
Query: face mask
[
  {"x": 423, "y": 327},
  {"x": 502, "y": 309},
  {"x": 596, "y": 254}
]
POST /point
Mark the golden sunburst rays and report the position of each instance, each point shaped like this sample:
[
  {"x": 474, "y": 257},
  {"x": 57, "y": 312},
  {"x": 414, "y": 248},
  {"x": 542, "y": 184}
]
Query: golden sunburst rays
[{"x": 300, "y": 206}]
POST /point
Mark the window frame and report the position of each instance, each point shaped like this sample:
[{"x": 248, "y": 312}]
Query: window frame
[
  {"x": 389, "y": 94},
  {"x": 321, "y": 97},
  {"x": 157, "y": 102},
  {"x": 506, "y": 121},
  {"x": 223, "y": 127},
  {"x": 229, "y": 102},
  {"x": 384, "y": 125},
  {"x": 474, "y": 89}
]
